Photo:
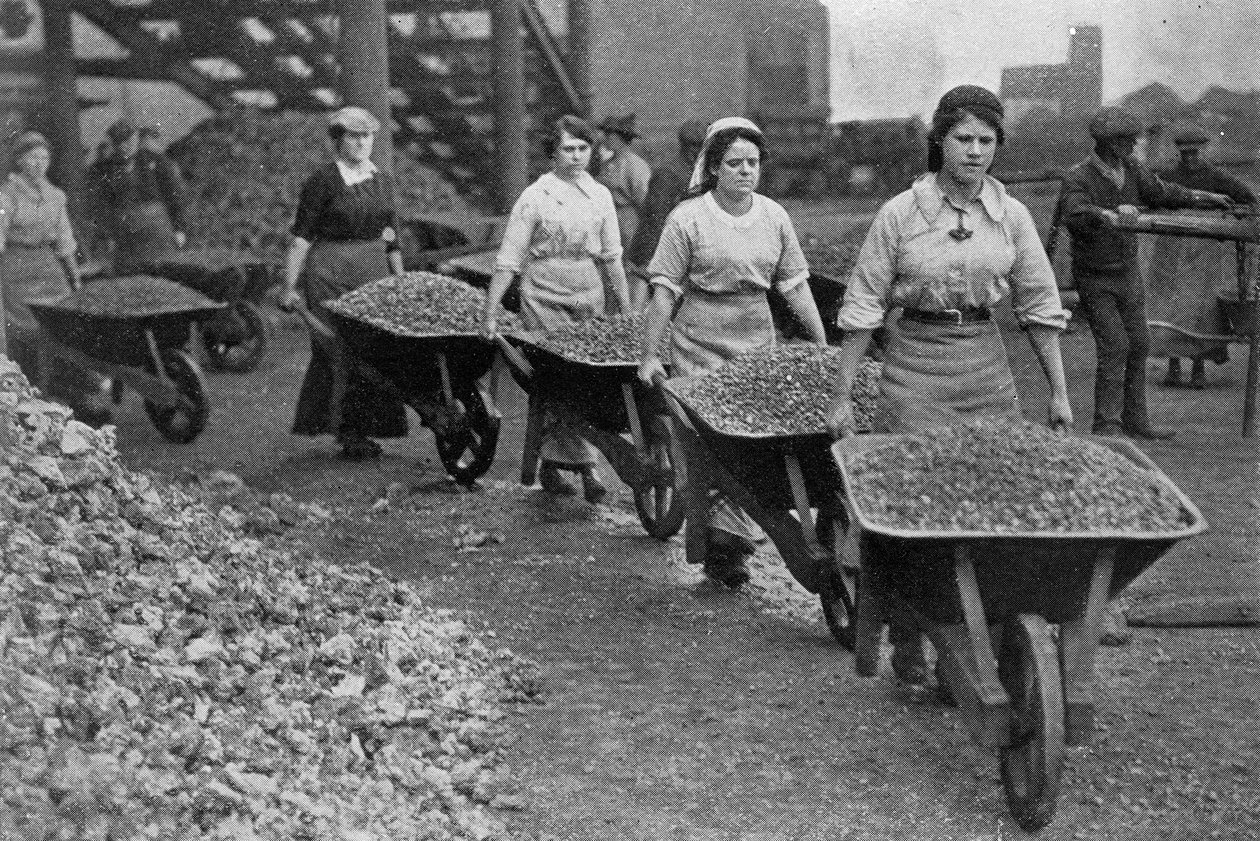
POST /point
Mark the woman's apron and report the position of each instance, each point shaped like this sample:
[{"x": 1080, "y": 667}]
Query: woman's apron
[
  {"x": 143, "y": 236},
  {"x": 556, "y": 292},
  {"x": 709, "y": 329},
  {"x": 938, "y": 374},
  {"x": 332, "y": 269},
  {"x": 32, "y": 273},
  {"x": 1184, "y": 277}
]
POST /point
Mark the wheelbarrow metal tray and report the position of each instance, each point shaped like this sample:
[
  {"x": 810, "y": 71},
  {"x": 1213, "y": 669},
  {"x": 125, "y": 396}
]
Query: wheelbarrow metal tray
[
  {"x": 593, "y": 388},
  {"x": 410, "y": 361},
  {"x": 756, "y": 461},
  {"x": 1018, "y": 572},
  {"x": 118, "y": 339}
]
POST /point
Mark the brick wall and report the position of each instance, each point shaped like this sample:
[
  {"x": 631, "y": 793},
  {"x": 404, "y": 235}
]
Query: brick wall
[{"x": 670, "y": 61}]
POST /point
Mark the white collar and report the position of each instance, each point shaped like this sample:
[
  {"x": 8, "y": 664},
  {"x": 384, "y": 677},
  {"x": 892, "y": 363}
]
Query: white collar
[
  {"x": 930, "y": 198},
  {"x": 355, "y": 175}
]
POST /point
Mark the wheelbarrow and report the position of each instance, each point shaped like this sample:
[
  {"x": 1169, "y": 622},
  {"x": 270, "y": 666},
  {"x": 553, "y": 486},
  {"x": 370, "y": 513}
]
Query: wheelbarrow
[
  {"x": 602, "y": 403},
  {"x": 438, "y": 375},
  {"x": 788, "y": 485},
  {"x": 143, "y": 352},
  {"x": 236, "y": 338},
  {"x": 988, "y": 602}
]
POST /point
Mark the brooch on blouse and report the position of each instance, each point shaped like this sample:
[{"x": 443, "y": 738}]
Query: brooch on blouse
[{"x": 961, "y": 232}]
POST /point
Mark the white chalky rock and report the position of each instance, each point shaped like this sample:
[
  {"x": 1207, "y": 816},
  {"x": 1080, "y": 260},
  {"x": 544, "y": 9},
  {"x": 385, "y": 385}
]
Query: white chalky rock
[
  {"x": 76, "y": 438},
  {"x": 46, "y": 468}
]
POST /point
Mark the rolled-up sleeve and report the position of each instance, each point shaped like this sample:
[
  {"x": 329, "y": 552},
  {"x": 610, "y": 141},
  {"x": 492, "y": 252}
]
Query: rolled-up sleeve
[
  {"x": 792, "y": 269},
  {"x": 672, "y": 259},
  {"x": 1034, "y": 292},
  {"x": 516, "y": 236},
  {"x": 609, "y": 231},
  {"x": 866, "y": 297}
]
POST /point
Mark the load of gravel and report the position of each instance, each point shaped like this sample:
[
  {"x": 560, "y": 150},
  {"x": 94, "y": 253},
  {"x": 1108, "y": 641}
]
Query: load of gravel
[
  {"x": 780, "y": 390},
  {"x": 1005, "y": 476},
  {"x": 134, "y": 296},
  {"x": 603, "y": 340},
  {"x": 418, "y": 304},
  {"x": 166, "y": 674}
]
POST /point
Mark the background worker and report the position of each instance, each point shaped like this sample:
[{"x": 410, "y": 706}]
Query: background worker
[
  {"x": 37, "y": 261},
  {"x": 1105, "y": 267},
  {"x": 667, "y": 187},
  {"x": 1186, "y": 274},
  {"x": 137, "y": 196},
  {"x": 624, "y": 173}
]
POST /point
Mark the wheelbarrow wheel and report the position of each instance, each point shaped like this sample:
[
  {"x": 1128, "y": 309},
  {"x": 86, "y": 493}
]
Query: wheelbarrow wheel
[
  {"x": 466, "y": 448},
  {"x": 659, "y": 501},
  {"x": 1033, "y": 762},
  {"x": 236, "y": 339},
  {"x": 838, "y": 607},
  {"x": 181, "y": 424}
]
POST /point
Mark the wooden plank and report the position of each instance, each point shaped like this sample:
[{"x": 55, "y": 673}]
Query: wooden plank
[
  {"x": 1186, "y": 225},
  {"x": 800, "y": 498},
  {"x": 1078, "y": 645},
  {"x": 991, "y": 726}
]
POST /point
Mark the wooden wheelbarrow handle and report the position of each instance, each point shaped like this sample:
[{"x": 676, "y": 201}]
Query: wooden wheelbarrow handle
[{"x": 514, "y": 356}]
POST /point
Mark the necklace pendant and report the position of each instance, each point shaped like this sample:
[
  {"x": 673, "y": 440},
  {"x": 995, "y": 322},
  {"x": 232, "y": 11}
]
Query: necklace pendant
[{"x": 960, "y": 233}]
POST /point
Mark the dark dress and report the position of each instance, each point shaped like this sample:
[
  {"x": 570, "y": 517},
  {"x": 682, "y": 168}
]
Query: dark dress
[
  {"x": 141, "y": 205},
  {"x": 345, "y": 226}
]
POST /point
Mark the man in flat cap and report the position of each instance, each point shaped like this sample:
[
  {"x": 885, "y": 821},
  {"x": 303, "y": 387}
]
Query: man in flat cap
[
  {"x": 1186, "y": 275},
  {"x": 137, "y": 199},
  {"x": 624, "y": 173},
  {"x": 1104, "y": 264},
  {"x": 667, "y": 187}
]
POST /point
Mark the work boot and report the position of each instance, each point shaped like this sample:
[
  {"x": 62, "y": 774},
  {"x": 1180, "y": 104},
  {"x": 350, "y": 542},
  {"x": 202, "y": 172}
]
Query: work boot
[
  {"x": 1147, "y": 432},
  {"x": 1108, "y": 430},
  {"x": 552, "y": 482},
  {"x": 726, "y": 560},
  {"x": 592, "y": 488},
  {"x": 1173, "y": 378},
  {"x": 1198, "y": 377},
  {"x": 357, "y": 447},
  {"x": 909, "y": 663}
]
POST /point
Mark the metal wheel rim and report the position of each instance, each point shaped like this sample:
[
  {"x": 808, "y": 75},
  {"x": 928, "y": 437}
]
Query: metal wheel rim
[{"x": 1032, "y": 765}]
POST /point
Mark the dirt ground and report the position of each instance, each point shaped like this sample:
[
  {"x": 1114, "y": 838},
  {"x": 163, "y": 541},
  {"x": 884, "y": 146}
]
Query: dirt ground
[{"x": 675, "y": 710}]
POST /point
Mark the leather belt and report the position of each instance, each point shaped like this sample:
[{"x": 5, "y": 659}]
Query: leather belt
[{"x": 968, "y": 315}]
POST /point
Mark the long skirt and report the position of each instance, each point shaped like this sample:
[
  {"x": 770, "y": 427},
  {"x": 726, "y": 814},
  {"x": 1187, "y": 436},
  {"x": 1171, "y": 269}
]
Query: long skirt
[
  {"x": 556, "y": 292},
  {"x": 938, "y": 374},
  {"x": 1184, "y": 277},
  {"x": 143, "y": 236},
  {"x": 331, "y": 270},
  {"x": 708, "y": 331},
  {"x": 32, "y": 274}
]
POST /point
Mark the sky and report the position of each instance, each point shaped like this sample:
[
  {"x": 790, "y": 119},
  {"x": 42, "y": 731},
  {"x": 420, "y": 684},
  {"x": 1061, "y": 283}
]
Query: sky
[{"x": 893, "y": 58}]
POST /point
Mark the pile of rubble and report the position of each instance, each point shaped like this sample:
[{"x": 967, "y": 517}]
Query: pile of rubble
[{"x": 169, "y": 671}]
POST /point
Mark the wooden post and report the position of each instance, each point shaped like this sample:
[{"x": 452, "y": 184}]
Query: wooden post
[
  {"x": 1250, "y": 305},
  {"x": 579, "y": 62},
  {"x": 363, "y": 53},
  {"x": 63, "y": 104},
  {"x": 510, "y": 142}
]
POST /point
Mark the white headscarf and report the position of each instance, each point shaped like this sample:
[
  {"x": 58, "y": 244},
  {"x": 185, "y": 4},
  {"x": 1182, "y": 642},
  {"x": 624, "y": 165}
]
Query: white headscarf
[{"x": 697, "y": 172}]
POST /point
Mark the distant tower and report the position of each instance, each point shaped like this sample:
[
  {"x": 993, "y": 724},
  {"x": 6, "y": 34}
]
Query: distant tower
[{"x": 1083, "y": 94}]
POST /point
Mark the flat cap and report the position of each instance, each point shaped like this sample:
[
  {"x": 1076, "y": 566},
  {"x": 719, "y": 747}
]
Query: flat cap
[
  {"x": 692, "y": 132},
  {"x": 355, "y": 119},
  {"x": 25, "y": 142},
  {"x": 623, "y": 125},
  {"x": 1113, "y": 121},
  {"x": 1189, "y": 134},
  {"x": 970, "y": 96},
  {"x": 121, "y": 130}
]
